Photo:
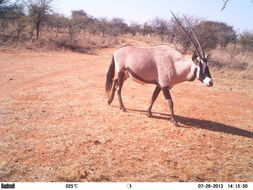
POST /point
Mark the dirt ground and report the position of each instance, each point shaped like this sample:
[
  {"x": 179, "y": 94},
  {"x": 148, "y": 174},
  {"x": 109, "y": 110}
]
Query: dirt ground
[{"x": 55, "y": 124}]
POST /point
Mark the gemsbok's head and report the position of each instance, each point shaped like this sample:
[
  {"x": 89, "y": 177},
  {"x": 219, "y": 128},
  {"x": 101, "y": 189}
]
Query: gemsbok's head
[
  {"x": 203, "y": 73},
  {"x": 199, "y": 57}
]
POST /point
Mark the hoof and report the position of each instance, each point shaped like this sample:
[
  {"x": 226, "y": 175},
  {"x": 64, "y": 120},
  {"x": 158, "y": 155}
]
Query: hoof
[
  {"x": 175, "y": 123},
  {"x": 149, "y": 114},
  {"x": 123, "y": 109},
  {"x": 109, "y": 102}
]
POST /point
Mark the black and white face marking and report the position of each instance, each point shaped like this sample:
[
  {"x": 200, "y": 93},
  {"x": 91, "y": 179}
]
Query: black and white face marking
[{"x": 203, "y": 73}]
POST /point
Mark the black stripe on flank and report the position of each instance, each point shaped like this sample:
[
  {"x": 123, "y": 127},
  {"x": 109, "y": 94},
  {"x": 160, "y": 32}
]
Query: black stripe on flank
[{"x": 139, "y": 78}]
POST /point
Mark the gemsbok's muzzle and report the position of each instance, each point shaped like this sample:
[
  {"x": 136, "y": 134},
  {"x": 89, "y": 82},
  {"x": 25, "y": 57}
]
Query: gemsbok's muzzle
[{"x": 208, "y": 81}]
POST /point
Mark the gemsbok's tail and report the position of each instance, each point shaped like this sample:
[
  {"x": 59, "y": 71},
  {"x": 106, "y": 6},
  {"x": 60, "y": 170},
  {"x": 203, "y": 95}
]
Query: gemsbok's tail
[{"x": 110, "y": 76}]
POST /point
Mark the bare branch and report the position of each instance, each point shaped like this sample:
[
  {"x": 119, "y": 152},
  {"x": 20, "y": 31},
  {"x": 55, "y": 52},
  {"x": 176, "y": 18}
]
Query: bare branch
[
  {"x": 192, "y": 31},
  {"x": 225, "y": 4},
  {"x": 187, "y": 35}
]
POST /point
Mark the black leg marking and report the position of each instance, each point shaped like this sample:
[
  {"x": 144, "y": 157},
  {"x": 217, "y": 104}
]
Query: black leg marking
[
  {"x": 167, "y": 96},
  {"x": 114, "y": 86},
  {"x": 154, "y": 96},
  {"x": 121, "y": 78}
]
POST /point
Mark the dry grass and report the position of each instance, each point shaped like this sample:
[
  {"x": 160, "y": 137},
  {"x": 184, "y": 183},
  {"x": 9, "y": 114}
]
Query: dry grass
[
  {"x": 233, "y": 61},
  {"x": 53, "y": 40},
  {"x": 86, "y": 44},
  {"x": 154, "y": 40},
  {"x": 151, "y": 39},
  {"x": 55, "y": 125}
]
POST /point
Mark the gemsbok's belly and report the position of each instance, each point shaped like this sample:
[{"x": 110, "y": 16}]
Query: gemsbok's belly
[{"x": 135, "y": 77}]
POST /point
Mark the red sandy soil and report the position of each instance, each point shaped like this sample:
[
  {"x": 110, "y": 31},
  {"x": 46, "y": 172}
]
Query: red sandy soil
[{"x": 55, "y": 124}]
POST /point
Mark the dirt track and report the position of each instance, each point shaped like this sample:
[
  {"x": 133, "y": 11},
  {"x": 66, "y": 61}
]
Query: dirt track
[{"x": 55, "y": 125}]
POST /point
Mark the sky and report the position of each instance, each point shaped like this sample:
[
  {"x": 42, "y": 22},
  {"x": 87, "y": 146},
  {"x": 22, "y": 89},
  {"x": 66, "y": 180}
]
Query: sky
[{"x": 238, "y": 13}]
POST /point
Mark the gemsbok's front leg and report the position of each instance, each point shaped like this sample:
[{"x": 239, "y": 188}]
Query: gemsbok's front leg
[
  {"x": 167, "y": 96},
  {"x": 154, "y": 96}
]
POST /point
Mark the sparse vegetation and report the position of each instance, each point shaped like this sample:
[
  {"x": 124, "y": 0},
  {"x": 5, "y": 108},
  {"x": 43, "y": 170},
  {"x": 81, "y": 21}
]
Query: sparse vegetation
[
  {"x": 55, "y": 125},
  {"x": 246, "y": 40},
  {"x": 233, "y": 58},
  {"x": 41, "y": 17},
  {"x": 82, "y": 32},
  {"x": 38, "y": 11},
  {"x": 213, "y": 34}
]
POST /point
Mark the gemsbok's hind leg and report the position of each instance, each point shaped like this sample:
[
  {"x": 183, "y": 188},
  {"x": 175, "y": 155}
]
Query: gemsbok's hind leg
[
  {"x": 114, "y": 86},
  {"x": 167, "y": 96},
  {"x": 154, "y": 96},
  {"x": 121, "y": 79}
]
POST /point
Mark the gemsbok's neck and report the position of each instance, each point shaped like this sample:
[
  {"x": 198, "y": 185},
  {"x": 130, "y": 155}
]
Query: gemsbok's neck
[{"x": 186, "y": 69}]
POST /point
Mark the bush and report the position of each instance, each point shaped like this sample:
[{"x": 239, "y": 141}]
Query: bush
[
  {"x": 233, "y": 58},
  {"x": 246, "y": 40},
  {"x": 213, "y": 34}
]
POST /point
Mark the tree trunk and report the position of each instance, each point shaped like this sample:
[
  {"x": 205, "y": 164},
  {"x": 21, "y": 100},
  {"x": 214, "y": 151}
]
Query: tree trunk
[{"x": 37, "y": 30}]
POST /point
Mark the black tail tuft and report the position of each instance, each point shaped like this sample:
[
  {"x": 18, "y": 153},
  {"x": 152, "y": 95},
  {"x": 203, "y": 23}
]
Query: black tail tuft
[{"x": 110, "y": 76}]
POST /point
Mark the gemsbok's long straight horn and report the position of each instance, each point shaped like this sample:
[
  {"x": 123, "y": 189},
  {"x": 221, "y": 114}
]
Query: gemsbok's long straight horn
[
  {"x": 192, "y": 31},
  {"x": 188, "y": 36}
]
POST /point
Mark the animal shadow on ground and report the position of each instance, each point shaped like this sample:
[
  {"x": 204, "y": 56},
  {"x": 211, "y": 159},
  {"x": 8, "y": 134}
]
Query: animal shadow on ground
[{"x": 203, "y": 124}]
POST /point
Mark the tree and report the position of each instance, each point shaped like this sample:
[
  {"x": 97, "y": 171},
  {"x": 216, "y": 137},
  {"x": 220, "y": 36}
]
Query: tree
[
  {"x": 12, "y": 14},
  {"x": 224, "y": 5},
  {"x": 20, "y": 24},
  {"x": 10, "y": 9},
  {"x": 178, "y": 35},
  {"x": 118, "y": 26},
  {"x": 103, "y": 26},
  {"x": 56, "y": 21},
  {"x": 246, "y": 40},
  {"x": 72, "y": 29},
  {"x": 134, "y": 28},
  {"x": 147, "y": 29},
  {"x": 213, "y": 33},
  {"x": 38, "y": 11},
  {"x": 160, "y": 26},
  {"x": 79, "y": 13},
  {"x": 79, "y": 19}
]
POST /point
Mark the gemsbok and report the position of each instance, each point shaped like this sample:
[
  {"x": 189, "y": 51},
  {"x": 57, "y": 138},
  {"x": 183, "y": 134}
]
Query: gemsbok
[{"x": 161, "y": 65}]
